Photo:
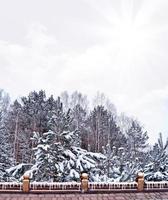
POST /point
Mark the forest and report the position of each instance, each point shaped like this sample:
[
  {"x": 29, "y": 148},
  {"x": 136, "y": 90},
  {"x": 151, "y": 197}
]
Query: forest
[{"x": 57, "y": 138}]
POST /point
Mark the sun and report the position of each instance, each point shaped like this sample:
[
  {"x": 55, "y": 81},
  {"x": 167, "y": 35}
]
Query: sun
[{"x": 126, "y": 30}]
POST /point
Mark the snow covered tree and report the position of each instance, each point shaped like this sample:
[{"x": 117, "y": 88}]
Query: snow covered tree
[
  {"x": 5, "y": 143},
  {"x": 118, "y": 166},
  {"x": 35, "y": 110},
  {"x": 6, "y": 152},
  {"x": 104, "y": 130},
  {"x": 60, "y": 160},
  {"x": 15, "y": 173},
  {"x": 79, "y": 116},
  {"x": 58, "y": 120},
  {"x": 116, "y": 138},
  {"x": 16, "y": 127},
  {"x": 48, "y": 155},
  {"x": 157, "y": 167},
  {"x": 77, "y": 159},
  {"x": 58, "y": 156},
  {"x": 27, "y": 115},
  {"x": 110, "y": 155},
  {"x": 99, "y": 127},
  {"x": 78, "y": 104},
  {"x": 136, "y": 141},
  {"x": 64, "y": 129},
  {"x": 124, "y": 168}
]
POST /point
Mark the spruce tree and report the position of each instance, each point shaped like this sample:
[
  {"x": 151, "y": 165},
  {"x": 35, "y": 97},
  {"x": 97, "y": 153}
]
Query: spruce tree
[
  {"x": 48, "y": 155},
  {"x": 5, "y": 142},
  {"x": 157, "y": 167}
]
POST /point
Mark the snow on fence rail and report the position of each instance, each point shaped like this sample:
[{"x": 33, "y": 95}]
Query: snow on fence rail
[
  {"x": 84, "y": 186},
  {"x": 56, "y": 187},
  {"x": 11, "y": 186},
  {"x": 112, "y": 186},
  {"x": 161, "y": 185}
]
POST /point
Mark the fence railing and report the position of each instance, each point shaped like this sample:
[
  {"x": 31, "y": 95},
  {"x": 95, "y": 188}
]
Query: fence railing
[
  {"x": 11, "y": 186},
  {"x": 55, "y": 187},
  {"x": 84, "y": 186},
  {"x": 120, "y": 186},
  {"x": 160, "y": 185}
]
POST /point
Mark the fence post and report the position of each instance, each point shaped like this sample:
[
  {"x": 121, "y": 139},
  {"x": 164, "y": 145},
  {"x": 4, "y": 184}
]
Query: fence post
[
  {"x": 26, "y": 184},
  {"x": 84, "y": 182},
  {"x": 140, "y": 181}
]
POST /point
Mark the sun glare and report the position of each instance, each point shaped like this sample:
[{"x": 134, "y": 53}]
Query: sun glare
[
  {"x": 127, "y": 36},
  {"x": 130, "y": 38}
]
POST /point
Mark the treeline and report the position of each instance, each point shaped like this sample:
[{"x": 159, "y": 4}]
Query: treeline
[{"x": 98, "y": 129}]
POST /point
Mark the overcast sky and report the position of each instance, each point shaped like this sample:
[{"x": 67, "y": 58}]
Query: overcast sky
[{"x": 118, "y": 47}]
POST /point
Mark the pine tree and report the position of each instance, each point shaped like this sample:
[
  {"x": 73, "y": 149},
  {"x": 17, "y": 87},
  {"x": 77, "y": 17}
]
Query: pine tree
[
  {"x": 77, "y": 160},
  {"x": 35, "y": 110},
  {"x": 57, "y": 152},
  {"x": 116, "y": 138},
  {"x": 6, "y": 152},
  {"x": 157, "y": 167},
  {"x": 26, "y": 116},
  {"x": 118, "y": 166},
  {"x": 78, "y": 104},
  {"x": 16, "y": 126},
  {"x": 136, "y": 141},
  {"x": 48, "y": 155},
  {"x": 5, "y": 143}
]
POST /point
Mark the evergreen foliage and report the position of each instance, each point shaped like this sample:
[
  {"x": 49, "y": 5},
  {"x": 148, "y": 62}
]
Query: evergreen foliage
[
  {"x": 55, "y": 139},
  {"x": 157, "y": 167}
]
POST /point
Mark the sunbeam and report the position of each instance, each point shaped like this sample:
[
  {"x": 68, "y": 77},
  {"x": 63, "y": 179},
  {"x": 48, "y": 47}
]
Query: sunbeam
[{"x": 131, "y": 37}]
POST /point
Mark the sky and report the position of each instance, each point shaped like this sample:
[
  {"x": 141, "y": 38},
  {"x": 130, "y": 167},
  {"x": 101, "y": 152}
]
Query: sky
[{"x": 118, "y": 47}]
